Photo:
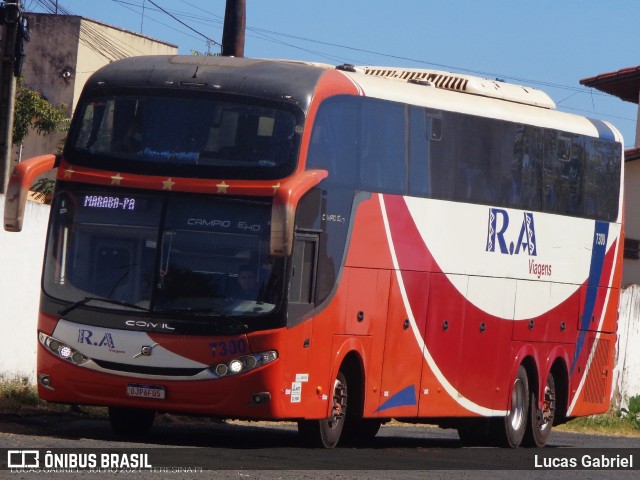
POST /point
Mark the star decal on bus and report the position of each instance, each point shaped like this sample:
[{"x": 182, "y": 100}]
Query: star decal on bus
[
  {"x": 116, "y": 179},
  {"x": 168, "y": 184},
  {"x": 222, "y": 187},
  {"x": 68, "y": 172},
  {"x": 276, "y": 187}
]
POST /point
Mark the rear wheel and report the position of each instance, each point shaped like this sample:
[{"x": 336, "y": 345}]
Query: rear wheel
[
  {"x": 327, "y": 432},
  {"x": 541, "y": 420},
  {"x": 509, "y": 432},
  {"x": 131, "y": 422}
]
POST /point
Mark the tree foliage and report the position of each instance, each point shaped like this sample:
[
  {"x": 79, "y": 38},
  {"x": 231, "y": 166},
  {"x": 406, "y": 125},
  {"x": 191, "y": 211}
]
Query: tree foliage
[
  {"x": 32, "y": 111},
  {"x": 43, "y": 190}
]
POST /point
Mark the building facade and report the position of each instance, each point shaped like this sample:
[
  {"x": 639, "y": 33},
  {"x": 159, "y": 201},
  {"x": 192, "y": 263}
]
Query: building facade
[{"x": 63, "y": 53}]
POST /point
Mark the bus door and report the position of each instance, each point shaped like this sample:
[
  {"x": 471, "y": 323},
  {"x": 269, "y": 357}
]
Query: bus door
[
  {"x": 304, "y": 262},
  {"x": 402, "y": 365}
]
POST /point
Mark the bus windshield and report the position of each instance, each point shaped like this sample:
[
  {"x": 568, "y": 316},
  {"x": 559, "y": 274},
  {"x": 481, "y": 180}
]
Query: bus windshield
[
  {"x": 204, "y": 136},
  {"x": 163, "y": 254}
]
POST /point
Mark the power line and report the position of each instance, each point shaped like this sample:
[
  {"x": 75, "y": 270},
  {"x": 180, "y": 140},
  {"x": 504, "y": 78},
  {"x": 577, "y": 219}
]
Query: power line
[
  {"x": 268, "y": 35},
  {"x": 183, "y": 23},
  {"x": 124, "y": 4},
  {"x": 265, "y": 35},
  {"x": 94, "y": 38}
]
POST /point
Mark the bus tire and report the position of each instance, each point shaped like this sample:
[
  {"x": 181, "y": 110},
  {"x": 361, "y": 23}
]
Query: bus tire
[
  {"x": 131, "y": 422},
  {"x": 541, "y": 421},
  {"x": 509, "y": 432},
  {"x": 326, "y": 433}
]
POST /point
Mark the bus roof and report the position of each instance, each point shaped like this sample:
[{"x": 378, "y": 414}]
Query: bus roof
[
  {"x": 293, "y": 80},
  {"x": 464, "y": 84},
  {"x": 296, "y": 82},
  {"x": 275, "y": 79}
]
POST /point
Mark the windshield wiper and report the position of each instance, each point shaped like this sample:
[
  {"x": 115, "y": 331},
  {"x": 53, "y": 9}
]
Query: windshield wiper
[{"x": 86, "y": 300}]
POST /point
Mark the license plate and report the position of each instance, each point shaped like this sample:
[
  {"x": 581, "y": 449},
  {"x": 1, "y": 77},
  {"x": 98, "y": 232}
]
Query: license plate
[{"x": 145, "y": 391}]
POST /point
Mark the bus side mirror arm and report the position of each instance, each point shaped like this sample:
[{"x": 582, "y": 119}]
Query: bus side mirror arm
[
  {"x": 283, "y": 211},
  {"x": 22, "y": 177}
]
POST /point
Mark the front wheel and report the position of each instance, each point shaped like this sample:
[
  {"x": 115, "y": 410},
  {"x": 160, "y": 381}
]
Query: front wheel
[
  {"x": 541, "y": 420},
  {"x": 327, "y": 432}
]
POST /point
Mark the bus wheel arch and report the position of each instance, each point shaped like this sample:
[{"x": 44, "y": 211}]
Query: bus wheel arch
[
  {"x": 327, "y": 432},
  {"x": 345, "y": 422},
  {"x": 357, "y": 428},
  {"x": 560, "y": 373}
]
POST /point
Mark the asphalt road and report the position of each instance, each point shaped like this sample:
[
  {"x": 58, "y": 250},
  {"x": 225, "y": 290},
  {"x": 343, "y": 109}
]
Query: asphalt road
[{"x": 179, "y": 447}]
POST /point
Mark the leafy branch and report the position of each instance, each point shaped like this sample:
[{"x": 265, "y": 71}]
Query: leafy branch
[{"x": 32, "y": 111}]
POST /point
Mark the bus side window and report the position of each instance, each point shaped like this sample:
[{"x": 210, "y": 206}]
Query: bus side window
[
  {"x": 601, "y": 179},
  {"x": 521, "y": 182},
  {"x": 383, "y": 146},
  {"x": 569, "y": 169},
  {"x": 303, "y": 269},
  {"x": 549, "y": 183},
  {"x": 421, "y": 132},
  {"x": 333, "y": 144}
]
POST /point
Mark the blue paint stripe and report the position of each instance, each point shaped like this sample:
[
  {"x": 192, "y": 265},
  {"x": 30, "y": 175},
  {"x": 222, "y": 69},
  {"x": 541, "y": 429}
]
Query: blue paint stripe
[
  {"x": 598, "y": 252},
  {"x": 405, "y": 397},
  {"x": 604, "y": 131}
]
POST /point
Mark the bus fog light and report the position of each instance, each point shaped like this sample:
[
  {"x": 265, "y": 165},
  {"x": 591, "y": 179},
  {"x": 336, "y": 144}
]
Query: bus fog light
[
  {"x": 222, "y": 369},
  {"x": 45, "y": 381},
  {"x": 261, "y": 397}
]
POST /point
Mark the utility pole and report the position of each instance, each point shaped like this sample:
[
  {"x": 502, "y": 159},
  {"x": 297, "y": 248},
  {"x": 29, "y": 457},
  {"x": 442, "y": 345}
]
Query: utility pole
[
  {"x": 235, "y": 18},
  {"x": 11, "y": 21}
]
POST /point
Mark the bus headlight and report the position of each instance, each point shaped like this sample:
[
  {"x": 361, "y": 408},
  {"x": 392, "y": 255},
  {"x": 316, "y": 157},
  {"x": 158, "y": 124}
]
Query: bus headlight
[
  {"x": 61, "y": 350},
  {"x": 243, "y": 364}
]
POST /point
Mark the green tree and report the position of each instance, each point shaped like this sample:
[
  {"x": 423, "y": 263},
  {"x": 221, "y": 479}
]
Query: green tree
[{"x": 32, "y": 111}]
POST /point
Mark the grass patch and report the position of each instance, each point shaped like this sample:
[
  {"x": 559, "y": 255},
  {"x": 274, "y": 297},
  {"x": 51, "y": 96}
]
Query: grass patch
[
  {"x": 622, "y": 421},
  {"x": 19, "y": 396},
  {"x": 610, "y": 423}
]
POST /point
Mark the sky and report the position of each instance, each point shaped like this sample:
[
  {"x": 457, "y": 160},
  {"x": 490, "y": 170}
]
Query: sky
[{"x": 546, "y": 44}]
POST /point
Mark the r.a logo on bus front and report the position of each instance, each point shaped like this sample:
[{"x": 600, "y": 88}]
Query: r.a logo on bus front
[{"x": 499, "y": 234}]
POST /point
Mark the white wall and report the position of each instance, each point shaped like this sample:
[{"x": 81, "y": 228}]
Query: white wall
[
  {"x": 626, "y": 374},
  {"x": 631, "y": 271},
  {"x": 20, "y": 266}
]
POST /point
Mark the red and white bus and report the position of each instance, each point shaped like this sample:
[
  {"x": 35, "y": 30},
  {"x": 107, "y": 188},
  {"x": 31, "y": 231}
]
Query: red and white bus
[{"x": 336, "y": 246}]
